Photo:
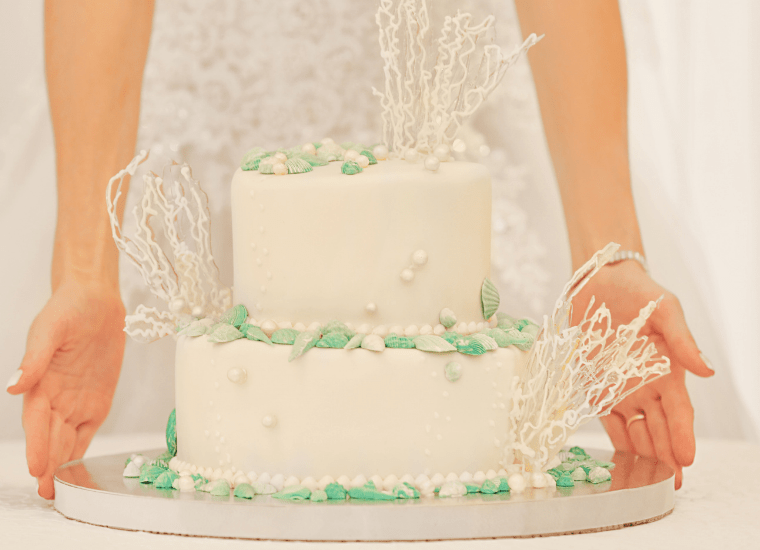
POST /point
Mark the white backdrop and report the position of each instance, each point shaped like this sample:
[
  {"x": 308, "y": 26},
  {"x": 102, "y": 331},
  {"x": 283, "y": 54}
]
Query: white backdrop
[{"x": 694, "y": 71}]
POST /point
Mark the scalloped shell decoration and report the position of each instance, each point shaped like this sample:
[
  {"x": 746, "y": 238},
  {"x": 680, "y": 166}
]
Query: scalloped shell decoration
[
  {"x": 252, "y": 332},
  {"x": 285, "y": 336},
  {"x": 252, "y": 158},
  {"x": 303, "y": 343},
  {"x": 171, "y": 433},
  {"x": 373, "y": 342},
  {"x": 395, "y": 341},
  {"x": 235, "y": 316},
  {"x": 331, "y": 152},
  {"x": 355, "y": 342},
  {"x": 196, "y": 328},
  {"x": 338, "y": 327},
  {"x": 350, "y": 168},
  {"x": 222, "y": 332},
  {"x": 489, "y": 298},
  {"x": 488, "y": 342},
  {"x": 452, "y": 371},
  {"x": 432, "y": 343},
  {"x": 369, "y": 155},
  {"x": 447, "y": 318},
  {"x": 298, "y": 165},
  {"x": 471, "y": 347},
  {"x": 266, "y": 167},
  {"x": 334, "y": 340}
]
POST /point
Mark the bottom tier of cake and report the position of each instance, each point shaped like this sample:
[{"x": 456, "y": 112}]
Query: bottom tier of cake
[{"x": 335, "y": 412}]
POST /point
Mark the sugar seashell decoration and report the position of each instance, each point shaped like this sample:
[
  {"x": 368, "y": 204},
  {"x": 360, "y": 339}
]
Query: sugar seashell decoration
[{"x": 447, "y": 318}]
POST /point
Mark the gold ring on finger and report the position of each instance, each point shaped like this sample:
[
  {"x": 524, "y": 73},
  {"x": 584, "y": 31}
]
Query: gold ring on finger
[{"x": 634, "y": 418}]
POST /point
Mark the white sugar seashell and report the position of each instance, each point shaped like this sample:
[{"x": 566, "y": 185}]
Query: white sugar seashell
[
  {"x": 358, "y": 481},
  {"x": 420, "y": 480},
  {"x": 432, "y": 163},
  {"x": 442, "y": 152},
  {"x": 292, "y": 480},
  {"x": 324, "y": 482},
  {"x": 279, "y": 169},
  {"x": 452, "y": 489},
  {"x": 516, "y": 483},
  {"x": 252, "y": 476},
  {"x": 426, "y": 489},
  {"x": 268, "y": 327},
  {"x": 362, "y": 161},
  {"x": 309, "y": 148},
  {"x": 185, "y": 484},
  {"x": 407, "y": 275},
  {"x": 131, "y": 470},
  {"x": 411, "y": 155},
  {"x": 373, "y": 342},
  {"x": 343, "y": 480},
  {"x": 264, "y": 478},
  {"x": 390, "y": 482},
  {"x": 439, "y": 329},
  {"x": 412, "y": 331},
  {"x": 427, "y": 329},
  {"x": 381, "y": 330},
  {"x": 352, "y": 155},
  {"x": 380, "y": 152},
  {"x": 452, "y": 477},
  {"x": 396, "y": 329}
]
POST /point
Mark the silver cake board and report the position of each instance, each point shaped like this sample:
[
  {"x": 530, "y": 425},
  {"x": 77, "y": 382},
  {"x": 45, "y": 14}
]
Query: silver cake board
[{"x": 93, "y": 491}]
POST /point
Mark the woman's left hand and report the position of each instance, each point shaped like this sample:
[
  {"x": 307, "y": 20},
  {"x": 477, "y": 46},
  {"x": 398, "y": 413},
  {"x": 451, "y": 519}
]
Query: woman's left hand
[{"x": 667, "y": 429}]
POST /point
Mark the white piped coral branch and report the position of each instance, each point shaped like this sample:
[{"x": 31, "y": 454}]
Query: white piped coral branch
[
  {"x": 175, "y": 258},
  {"x": 575, "y": 373},
  {"x": 426, "y": 99}
]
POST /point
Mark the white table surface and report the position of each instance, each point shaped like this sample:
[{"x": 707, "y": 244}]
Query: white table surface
[{"x": 718, "y": 507}]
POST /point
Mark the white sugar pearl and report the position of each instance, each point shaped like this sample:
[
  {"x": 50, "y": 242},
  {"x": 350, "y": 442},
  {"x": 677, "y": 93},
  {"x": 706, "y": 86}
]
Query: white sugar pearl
[
  {"x": 269, "y": 421},
  {"x": 420, "y": 257},
  {"x": 237, "y": 375},
  {"x": 411, "y": 331},
  {"x": 380, "y": 152},
  {"x": 370, "y": 307},
  {"x": 381, "y": 330},
  {"x": 300, "y": 327},
  {"x": 309, "y": 148},
  {"x": 407, "y": 275},
  {"x": 268, "y": 327},
  {"x": 459, "y": 146},
  {"x": 313, "y": 326},
  {"x": 439, "y": 329},
  {"x": 279, "y": 169},
  {"x": 442, "y": 152},
  {"x": 396, "y": 329},
  {"x": 177, "y": 305},
  {"x": 351, "y": 155},
  {"x": 411, "y": 155},
  {"x": 362, "y": 161},
  {"x": 281, "y": 157},
  {"x": 198, "y": 311},
  {"x": 327, "y": 140},
  {"x": 427, "y": 329},
  {"x": 432, "y": 163},
  {"x": 516, "y": 483}
]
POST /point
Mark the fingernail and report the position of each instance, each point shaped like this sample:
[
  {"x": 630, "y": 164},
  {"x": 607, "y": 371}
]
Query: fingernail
[
  {"x": 14, "y": 379},
  {"x": 706, "y": 362}
]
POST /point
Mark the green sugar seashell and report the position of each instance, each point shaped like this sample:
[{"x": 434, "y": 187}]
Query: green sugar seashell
[
  {"x": 447, "y": 318},
  {"x": 266, "y": 168},
  {"x": 221, "y": 488},
  {"x": 369, "y": 155},
  {"x": 194, "y": 329},
  {"x": 318, "y": 495},
  {"x": 160, "y": 462},
  {"x": 518, "y": 339},
  {"x": 504, "y": 321},
  {"x": 235, "y": 316},
  {"x": 244, "y": 490},
  {"x": 149, "y": 474},
  {"x": 294, "y": 492},
  {"x": 171, "y": 433},
  {"x": 599, "y": 475},
  {"x": 335, "y": 340},
  {"x": 251, "y": 158},
  {"x": 364, "y": 493},
  {"x": 531, "y": 329},
  {"x": 355, "y": 342},
  {"x": 199, "y": 479},
  {"x": 224, "y": 333},
  {"x": 503, "y": 484},
  {"x": 393, "y": 340},
  {"x": 451, "y": 337},
  {"x": 252, "y": 332},
  {"x": 578, "y": 451},
  {"x": 471, "y": 347},
  {"x": 489, "y": 298},
  {"x": 313, "y": 160},
  {"x": 488, "y": 342},
  {"x": 566, "y": 480},
  {"x": 335, "y": 491},
  {"x": 489, "y": 487},
  {"x": 350, "y": 168},
  {"x": 298, "y": 165},
  {"x": 472, "y": 488},
  {"x": 452, "y": 371},
  {"x": 165, "y": 480},
  {"x": 303, "y": 343},
  {"x": 432, "y": 343},
  {"x": 405, "y": 491},
  {"x": 579, "y": 474},
  {"x": 520, "y": 323},
  {"x": 499, "y": 336},
  {"x": 285, "y": 336},
  {"x": 337, "y": 326}
]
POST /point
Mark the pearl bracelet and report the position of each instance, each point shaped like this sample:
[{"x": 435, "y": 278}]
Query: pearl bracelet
[{"x": 621, "y": 255}]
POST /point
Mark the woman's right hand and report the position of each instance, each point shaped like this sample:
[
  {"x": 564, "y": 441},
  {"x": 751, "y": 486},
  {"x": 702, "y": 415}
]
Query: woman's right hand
[{"x": 68, "y": 375}]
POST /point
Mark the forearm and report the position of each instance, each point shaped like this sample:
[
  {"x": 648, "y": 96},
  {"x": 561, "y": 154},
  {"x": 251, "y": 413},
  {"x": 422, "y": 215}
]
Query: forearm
[
  {"x": 94, "y": 59},
  {"x": 581, "y": 80}
]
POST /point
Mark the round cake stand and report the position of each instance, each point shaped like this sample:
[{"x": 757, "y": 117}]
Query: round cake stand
[{"x": 93, "y": 491}]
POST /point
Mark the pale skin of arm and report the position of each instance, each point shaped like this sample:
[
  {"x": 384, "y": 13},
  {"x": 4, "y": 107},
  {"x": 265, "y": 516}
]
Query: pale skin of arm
[
  {"x": 582, "y": 85},
  {"x": 95, "y": 56}
]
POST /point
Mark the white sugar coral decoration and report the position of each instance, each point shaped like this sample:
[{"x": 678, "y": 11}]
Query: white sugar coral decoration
[
  {"x": 575, "y": 373},
  {"x": 171, "y": 247},
  {"x": 429, "y": 94}
]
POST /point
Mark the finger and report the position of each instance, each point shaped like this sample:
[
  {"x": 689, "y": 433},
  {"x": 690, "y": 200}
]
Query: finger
[
  {"x": 671, "y": 324},
  {"x": 657, "y": 425},
  {"x": 45, "y": 337},
  {"x": 85, "y": 433},
  {"x": 35, "y": 419},
  {"x": 62, "y": 437},
  {"x": 679, "y": 413},
  {"x": 642, "y": 440},
  {"x": 614, "y": 424}
]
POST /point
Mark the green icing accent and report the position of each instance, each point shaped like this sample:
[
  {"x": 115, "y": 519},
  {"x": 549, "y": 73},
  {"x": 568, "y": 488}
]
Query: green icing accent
[
  {"x": 165, "y": 480},
  {"x": 489, "y": 487},
  {"x": 503, "y": 484},
  {"x": 160, "y": 462},
  {"x": 235, "y": 316},
  {"x": 171, "y": 433},
  {"x": 221, "y": 488},
  {"x": 224, "y": 333},
  {"x": 578, "y": 451},
  {"x": 335, "y": 491},
  {"x": 447, "y": 318},
  {"x": 518, "y": 339},
  {"x": 504, "y": 321},
  {"x": 318, "y": 495},
  {"x": 432, "y": 343},
  {"x": 338, "y": 327},
  {"x": 303, "y": 343},
  {"x": 369, "y": 155},
  {"x": 451, "y": 337},
  {"x": 244, "y": 490},
  {"x": 252, "y": 158},
  {"x": 370, "y": 485},
  {"x": 350, "y": 168},
  {"x": 266, "y": 168},
  {"x": 285, "y": 336},
  {"x": 355, "y": 342},
  {"x": 294, "y": 492},
  {"x": 499, "y": 336},
  {"x": 166, "y": 456},
  {"x": 365, "y": 493},
  {"x": 252, "y": 332},
  {"x": 579, "y": 474},
  {"x": 520, "y": 324},
  {"x": 555, "y": 473},
  {"x": 472, "y": 488},
  {"x": 566, "y": 480},
  {"x": 311, "y": 159},
  {"x": 149, "y": 474},
  {"x": 452, "y": 371},
  {"x": 199, "y": 479},
  {"x": 471, "y": 347},
  {"x": 393, "y": 340},
  {"x": 297, "y": 165},
  {"x": 335, "y": 340},
  {"x": 405, "y": 491},
  {"x": 488, "y": 342},
  {"x": 489, "y": 298},
  {"x": 531, "y": 329}
]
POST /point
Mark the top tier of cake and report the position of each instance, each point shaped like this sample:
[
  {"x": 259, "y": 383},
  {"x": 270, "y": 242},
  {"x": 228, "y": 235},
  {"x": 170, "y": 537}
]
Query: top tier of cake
[{"x": 390, "y": 246}]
